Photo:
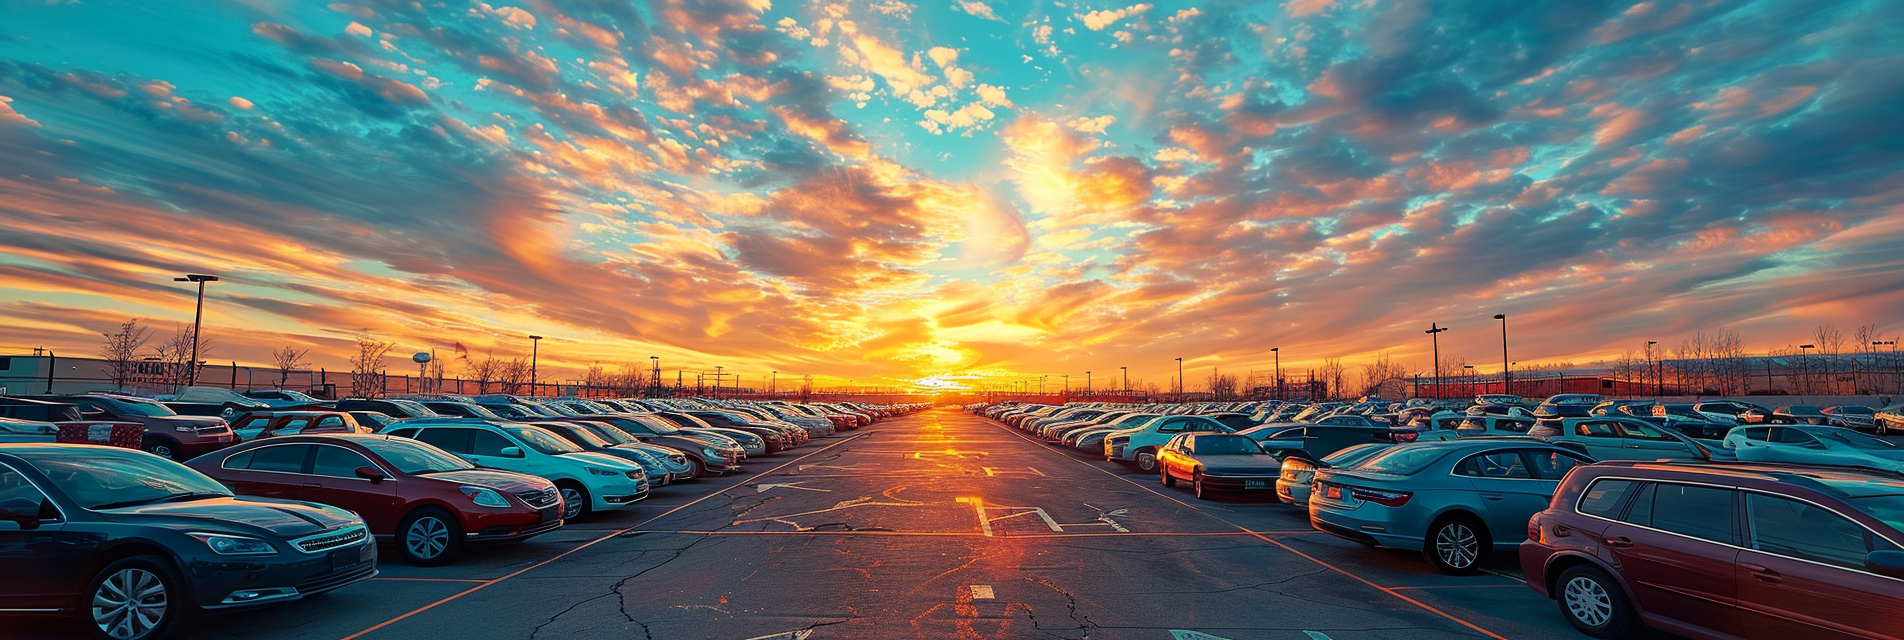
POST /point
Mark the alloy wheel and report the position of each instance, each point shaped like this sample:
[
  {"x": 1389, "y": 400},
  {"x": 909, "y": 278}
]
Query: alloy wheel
[
  {"x": 129, "y": 604},
  {"x": 571, "y": 503},
  {"x": 163, "y": 451},
  {"x": 1587, "y": 601},
  {"x": 1146, "y": 461},
  {"x": 427, "y": 537},
  {"x": 1457, "y": 545}
]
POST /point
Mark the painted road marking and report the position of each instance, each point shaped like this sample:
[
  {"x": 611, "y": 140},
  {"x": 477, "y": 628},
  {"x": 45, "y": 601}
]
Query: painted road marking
[
  {"x": 802, "y": 634},
  {"x": 981, "y": 591},
  {"x": 979, "y": 505},
  {"x": 1031, "y": 470},
  {"x": 762, "y": 488},
  {"x": 1182, "y": 634},
  {"x": 1317, "y": 635}
]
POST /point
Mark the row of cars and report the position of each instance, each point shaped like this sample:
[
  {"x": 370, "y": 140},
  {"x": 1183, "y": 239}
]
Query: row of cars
[
  {"x": 1624, "y": 522},
  {"x": 137, "y": 544}
]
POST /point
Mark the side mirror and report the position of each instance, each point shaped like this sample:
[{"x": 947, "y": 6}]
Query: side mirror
[
  {"x": 1886, "y": 563},
  {"x": 512, "y": 452},
  {"x": 373, "y": 474},
  {"x": 22, "y": 512}
]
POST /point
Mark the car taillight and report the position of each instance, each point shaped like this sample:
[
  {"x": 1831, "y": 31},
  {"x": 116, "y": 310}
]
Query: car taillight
[
  {"x": 1406, "y": 436},
  {"x": 1533, "y": 528},
  {"x": 1384, "y": 498}
]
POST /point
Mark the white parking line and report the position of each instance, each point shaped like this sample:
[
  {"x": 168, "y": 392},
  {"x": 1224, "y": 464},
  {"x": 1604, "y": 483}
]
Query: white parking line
[{"x": 981, "y": 591}]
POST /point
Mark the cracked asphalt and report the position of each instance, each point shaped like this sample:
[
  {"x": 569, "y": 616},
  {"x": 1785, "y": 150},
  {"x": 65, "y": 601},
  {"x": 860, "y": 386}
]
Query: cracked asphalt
[{"x": 938, "y": 525}]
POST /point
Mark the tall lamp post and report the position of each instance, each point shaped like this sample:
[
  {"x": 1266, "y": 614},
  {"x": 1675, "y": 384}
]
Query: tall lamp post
[
  {"x": 1278, "y": 352},
  {"x": 1179, "y": 380},
  {"x": 1470, "y": 377},
  {"x": 1874, "y": 345},
  {"x": 198, "y": 315},
  {"x": 535, "y": 353},
  {"x": 1505, "y": 365},
  {"x": 655, "y": 361},
  {"x": 1126, "y": 371},
  {"x": 773, "y": 385},
  {"x": 1087, "y": 383},
  {"x": 1804, "y": 367},
  {"x": 1434, "y": 336}
]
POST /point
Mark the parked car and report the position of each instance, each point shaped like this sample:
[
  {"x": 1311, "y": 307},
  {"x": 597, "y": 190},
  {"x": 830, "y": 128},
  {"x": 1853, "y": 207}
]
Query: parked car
[
  {"x": 1710, "y": 551},
  {"x": 1805, "y": 444},
  {"x": 1735, "y": 410},
  {"x": 1213, "y": 462},
  {"x": 38, "y": 409},
  {"x": 672, "y": 462},
  {"x": 393, "y": 407},
  {"x": 460, "y": 408},
  {"x": 1801, "y": 414},
  {"x": 211, "y": 401},
  {"x": 1138, "y": 447},
  {"x": 1292, "y": 482},
  {"x": 1853, "y": 416},
  {"x": 1689, "y": 412},
  {"x": 253, "y": 425},
  {"x": 430, "y": 503},
  {"x": 17, "y": 430},
  {"x": 709, "y": 453},
  {"x": 167, "y": 434},
  {"x": 376, "y": 420},
  {"x": 1455, "y": 501},
  {"x": 587, "y": 481},
  {"x": 1621, "y": 438},
  {"x": 1318, "y": 441},
  {"x": 585, "y": 437},
  {"x": 288, "y": 399},
  {"x": 1888, "y": 419},
  {"x": 1476, "y": 426},
  {"x": 83, "y": 526},
  {"x": 1568, "y": 405}
]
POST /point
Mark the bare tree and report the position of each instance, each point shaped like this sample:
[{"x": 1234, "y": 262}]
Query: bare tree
[
  {"x": 1383, "y": 377},
  {"x": 1334, "y": 375},
  {"x": 367, "y": 366},
  {"x": 121, "y": 351},
  {"x": 484, "y": 371},
  {"x": 632, "y": 379},
  {"x": 513, "y": 375},
  {"x": 289, "y": 359},
  {"x": 1222, "y": 386},
  {"x": 175, "y": 357},
  {"x": 1830, "y": 343}
]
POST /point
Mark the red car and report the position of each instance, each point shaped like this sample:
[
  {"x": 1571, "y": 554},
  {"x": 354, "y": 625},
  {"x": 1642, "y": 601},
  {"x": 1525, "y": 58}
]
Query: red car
[
  {"x": 428, "y": 501},
  {"x": 1723, "y": 551}
]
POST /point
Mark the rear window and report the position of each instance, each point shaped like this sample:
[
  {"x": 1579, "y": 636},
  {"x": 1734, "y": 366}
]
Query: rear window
[
  {"x": 1401, "y": 461},
  {"x": 1604, "y": 497}
]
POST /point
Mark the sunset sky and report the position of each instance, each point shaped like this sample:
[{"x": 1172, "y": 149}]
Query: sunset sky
[{"x": 887, "y": 190}]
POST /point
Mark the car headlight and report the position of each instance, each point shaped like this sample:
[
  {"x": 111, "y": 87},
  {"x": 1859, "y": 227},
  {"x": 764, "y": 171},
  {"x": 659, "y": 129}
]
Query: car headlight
[
  {"x": 711, "y": 452},
  {"x": 638, "y": 474},
  {"x": 484, "y": 497},
  {"x": 603, "y": 472},
  {"x": 225, "y": 544}
]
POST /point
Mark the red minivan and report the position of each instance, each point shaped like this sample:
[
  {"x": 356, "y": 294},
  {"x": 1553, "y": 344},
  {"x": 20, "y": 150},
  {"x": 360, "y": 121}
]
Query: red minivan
[
  {"x": 430, "y": 502},
  {"x": 1723, "y": 551}
]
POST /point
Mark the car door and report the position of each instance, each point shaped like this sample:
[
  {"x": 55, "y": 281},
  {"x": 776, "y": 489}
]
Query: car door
[
  {"x": 1677, "y": 545},
  {"x": 1509, "y": 491},
  {"x": 288, "y": 427},
  {"x": 333, "y": 480},
  {"x": 39, "y": 563},
  {"x": 1172, "y": 457},
  {"x": 1600, "y": 438},
  {"x": 1786, "y": 444},
  {"x": 1802, "y": 575},
  {"x": 273, "y": 471},
  {"x": 1647, "y": 442},
  {"x": 487, "y": 449}
]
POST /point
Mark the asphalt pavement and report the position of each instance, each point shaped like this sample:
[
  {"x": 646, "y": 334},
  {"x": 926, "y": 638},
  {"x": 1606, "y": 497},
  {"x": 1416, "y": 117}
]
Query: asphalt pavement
[{"x": 937, "y": 525}]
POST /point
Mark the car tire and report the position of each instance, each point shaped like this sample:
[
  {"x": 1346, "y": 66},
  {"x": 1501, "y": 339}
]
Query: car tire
[
  {"x": 575, "y": 500},
  {"x": 162, "y": 447},
  {"x": 429, "y": 537},
  {"x": 158, "y": 607},
  {"x": 1881, "y": 428},
  {"x": 1146, "y": 459},
  {"x": 1456, "y": 545},
  {"x": 1196, "y": 485},
  {"x": 1593, "y": 603},
  {"x": 1169, "y": 482},
  {"x": 697, "y": 468}
]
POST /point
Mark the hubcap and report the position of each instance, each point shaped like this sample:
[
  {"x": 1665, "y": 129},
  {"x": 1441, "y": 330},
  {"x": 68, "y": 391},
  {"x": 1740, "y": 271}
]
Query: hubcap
[
  {"x": 1457, "y": 546},
  {"x": 1147, "y": 461},
  {"x": 572, "y": 503},
  {"x": 163, "y": 451},
  {"x": 427, "y": 538},
  {"x": 1587, "y": 601},
  {"x": 129, "y": 604}
]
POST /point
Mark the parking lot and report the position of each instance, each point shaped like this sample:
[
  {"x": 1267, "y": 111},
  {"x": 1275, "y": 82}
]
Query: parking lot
[{"x": 936, "y": 525}]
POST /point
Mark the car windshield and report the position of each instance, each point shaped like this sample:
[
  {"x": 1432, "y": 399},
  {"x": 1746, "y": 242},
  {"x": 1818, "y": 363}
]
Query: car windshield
[
  {"x": 104, "y": 478},
  {"x": 614, "y": 436},
  {"x": 295, "y": 396},
  {"x": 1354, "y": 454},
  {"x": 1859, "y": 410},
  {"x": 413, "y": 408},
  {"x": 1887, "y": 507},
  {"x": 542, "y": 441},
  {"x": 1401, "y": 461},
  {"x": 1803, "y": 409},
  {"x": 586, "y": 436},
  {"x": 1853, "y": 439},
  {"x": 139, "y": 407},
  {"x": 659, "y": 425},
  {"x": 1226, "y": 445},
  {"x": 411, "y": 457}
]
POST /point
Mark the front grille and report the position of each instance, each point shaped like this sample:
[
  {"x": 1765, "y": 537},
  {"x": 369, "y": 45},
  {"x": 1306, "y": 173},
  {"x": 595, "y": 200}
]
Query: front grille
[
  {"x": 326, "y": 541},
  {"x": 540, "y": 499},
  {"x": 334, "y": 580}
]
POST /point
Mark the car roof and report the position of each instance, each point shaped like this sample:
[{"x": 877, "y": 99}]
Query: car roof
[{"x": 1770, "y": 472}]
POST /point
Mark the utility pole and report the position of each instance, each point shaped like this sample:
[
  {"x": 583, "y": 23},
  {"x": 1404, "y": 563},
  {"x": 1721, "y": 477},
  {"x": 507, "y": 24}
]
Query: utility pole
[
  {"x": 655, "y": 378},
  {"x": 1179, "y": 380},
  {"x": 1087, "y": 383},
  {"x": 198, "y": 316},
  {"x": 1126, "y": 371},
  {"x": 1505, "y": 365},
  {"x": 1434, "y": 335},
  {"x": 535, "y": 351},
  {"x": 1278, "y": 352}
]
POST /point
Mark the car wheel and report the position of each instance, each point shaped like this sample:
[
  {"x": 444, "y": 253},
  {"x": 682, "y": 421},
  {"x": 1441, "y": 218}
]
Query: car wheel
[
  {"x": 1592, "y": 602},
  {"x": 1881, "y": 428},
  {"x": 574, "y": 500},
  {"x": 1168, "y": 481},
  {"x": 429, "y": 537},
  {"x": 163, "y": 448},
  {"x": 1196, "y": 485},
  {"x": 137, "y": 598},
  {"x": 1146, "y": 460},
  {"x": 696, "y": 468},
  {"x": 1456, "y": 545}
]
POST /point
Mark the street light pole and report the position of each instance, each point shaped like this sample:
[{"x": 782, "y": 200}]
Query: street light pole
[
  {"x": 1434, "y": 336},
  {"x": 1649, "y": 364},
  {"x": 198, "y": 316},
  {"x": 1126, "y": 371},
  {"x": 773, "y": 384},
  {"x": 656, "y": 375},
  {"x": 1278, "y": 352},
  {"x": 1087, "y": 383},
  {"x": 1505, "y": 365},
  {"x": 1469, "y": 371},
  {"x": 1804, "y": 368},
  {"x": 535, "y": 353},
  {"x": 1179, "y": 380}
]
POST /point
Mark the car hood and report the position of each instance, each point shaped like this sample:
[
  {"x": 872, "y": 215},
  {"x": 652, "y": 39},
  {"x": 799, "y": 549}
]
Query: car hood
[
  {"x": 602, "y": 459},
  {"x": 500, "y": 480},
  {"x": 279, "y": 517}
]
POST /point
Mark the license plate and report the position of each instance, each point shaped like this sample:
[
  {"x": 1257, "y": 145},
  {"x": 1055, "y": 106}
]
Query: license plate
[
  {"x": 1332, "y": 493},
  {"x": 1255, "y": 484},
  {"x": 342, "y": 559}
]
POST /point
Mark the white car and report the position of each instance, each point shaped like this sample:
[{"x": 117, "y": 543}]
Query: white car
[
  {"x": 17, "y": 430},
  {"x": 588, "y": 481},
  {"x": 283, "y": 398}
]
